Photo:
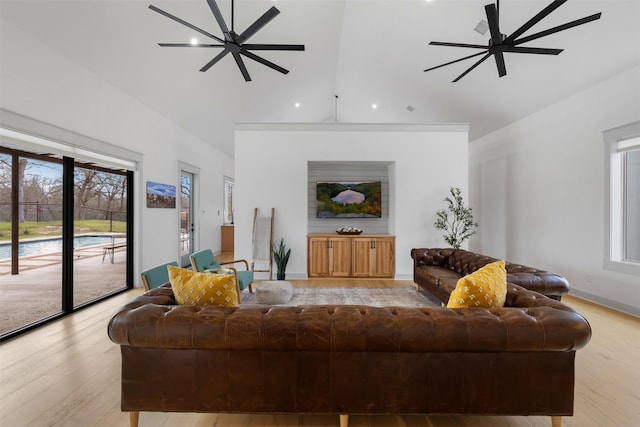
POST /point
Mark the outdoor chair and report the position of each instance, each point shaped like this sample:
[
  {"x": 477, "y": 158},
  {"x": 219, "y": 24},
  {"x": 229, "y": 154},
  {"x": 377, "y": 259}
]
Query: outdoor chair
[
  {"x": 156, "y": 276},
  {"x": 204, "y": 260}
]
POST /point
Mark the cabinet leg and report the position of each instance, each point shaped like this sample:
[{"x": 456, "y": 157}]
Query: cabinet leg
[
  {"x": 556, "y": 421},
  {"x": 344, "y": 420}
]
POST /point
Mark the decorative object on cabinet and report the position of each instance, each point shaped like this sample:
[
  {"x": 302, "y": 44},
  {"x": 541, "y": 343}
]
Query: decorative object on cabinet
[{"x": 349, "y": 231}]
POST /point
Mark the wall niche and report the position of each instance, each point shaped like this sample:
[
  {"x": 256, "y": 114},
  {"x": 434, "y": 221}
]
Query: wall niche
[{"x": 327, "y": 171}]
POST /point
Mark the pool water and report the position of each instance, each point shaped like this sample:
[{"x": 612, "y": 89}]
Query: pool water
[{"x": 39, "y": 247}]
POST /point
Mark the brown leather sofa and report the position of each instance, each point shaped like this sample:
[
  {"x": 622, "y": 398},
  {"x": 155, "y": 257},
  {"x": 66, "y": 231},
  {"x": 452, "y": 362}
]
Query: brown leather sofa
[
  {"x": 438, "y": 270},
  {"x": 518, "y": 360}
]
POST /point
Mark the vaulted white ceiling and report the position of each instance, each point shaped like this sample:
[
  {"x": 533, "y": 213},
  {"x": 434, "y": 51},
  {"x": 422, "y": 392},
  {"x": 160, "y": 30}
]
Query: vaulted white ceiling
[{"x": 363, "y": 51}]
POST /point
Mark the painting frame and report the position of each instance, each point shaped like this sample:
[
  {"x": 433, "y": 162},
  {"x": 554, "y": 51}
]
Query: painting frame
[
  {"x": 161, "y": 196},
  {"x": 350, "y": 199}
]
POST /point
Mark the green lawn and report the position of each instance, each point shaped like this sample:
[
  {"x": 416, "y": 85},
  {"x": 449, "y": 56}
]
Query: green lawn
[{"x": 54, "y": 228}]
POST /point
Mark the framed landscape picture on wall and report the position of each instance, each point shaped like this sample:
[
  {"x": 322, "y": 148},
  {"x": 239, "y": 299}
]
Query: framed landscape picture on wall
[
  {"x": 349, "y": 199},
  {"x": 160, "y": 195}
]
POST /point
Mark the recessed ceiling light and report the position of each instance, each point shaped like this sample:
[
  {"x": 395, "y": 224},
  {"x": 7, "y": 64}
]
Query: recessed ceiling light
[
  {"x": 194, "y": 41},
  {"x": 297, "y": 105},
  {"x": 374, "y": 106}
]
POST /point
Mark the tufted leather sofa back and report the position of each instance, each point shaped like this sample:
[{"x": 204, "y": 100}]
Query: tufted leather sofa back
[
  {"x": 530, "y": 322},
  {"x": 465, "y": 262}
]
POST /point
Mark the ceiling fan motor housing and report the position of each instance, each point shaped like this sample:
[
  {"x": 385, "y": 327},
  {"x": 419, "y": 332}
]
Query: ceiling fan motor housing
[{"x": 502, "y": 37}]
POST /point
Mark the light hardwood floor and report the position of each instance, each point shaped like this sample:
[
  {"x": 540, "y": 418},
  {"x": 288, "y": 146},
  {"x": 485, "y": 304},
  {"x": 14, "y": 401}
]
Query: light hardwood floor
[{"x": 68, "y": 374}]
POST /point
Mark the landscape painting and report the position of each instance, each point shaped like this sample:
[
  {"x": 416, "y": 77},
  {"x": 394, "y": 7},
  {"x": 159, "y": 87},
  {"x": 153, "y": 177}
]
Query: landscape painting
[
  {"x": 160, "y": 195},
  {"x": 349, "y": 199}
]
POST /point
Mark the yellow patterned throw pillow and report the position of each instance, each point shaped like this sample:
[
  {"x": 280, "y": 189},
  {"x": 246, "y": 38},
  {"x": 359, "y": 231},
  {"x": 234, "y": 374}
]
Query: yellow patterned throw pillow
[
  {"x": 485, "y": 287},
  {"x": 193, "y": 288}
]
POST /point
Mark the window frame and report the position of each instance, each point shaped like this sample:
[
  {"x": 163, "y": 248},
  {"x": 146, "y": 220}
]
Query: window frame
[{"x": 615, "y": 232}]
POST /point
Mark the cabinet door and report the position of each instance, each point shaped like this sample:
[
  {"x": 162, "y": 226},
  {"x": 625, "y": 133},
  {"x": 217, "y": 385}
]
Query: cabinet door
[
  {"x": 318, "y": 257},
  {"x": 340, "y": 256},
  {"x": 226, "y": 237},
  {"x": 384, "y": 254},
  {"x": 362, "y": 256}
]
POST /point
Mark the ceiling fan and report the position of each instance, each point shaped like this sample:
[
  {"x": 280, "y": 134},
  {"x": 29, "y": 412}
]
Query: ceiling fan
[
  {"x": 233, "y": 43},
  {"x": 500, "y": 43}
]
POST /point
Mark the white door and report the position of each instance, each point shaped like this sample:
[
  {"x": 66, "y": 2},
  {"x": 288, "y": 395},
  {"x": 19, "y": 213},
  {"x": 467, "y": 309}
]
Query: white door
[{"x": 187, "y": 224}]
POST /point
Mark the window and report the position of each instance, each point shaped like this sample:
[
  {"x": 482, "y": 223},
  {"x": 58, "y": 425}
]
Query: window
[{"x": 623, "y": 219}]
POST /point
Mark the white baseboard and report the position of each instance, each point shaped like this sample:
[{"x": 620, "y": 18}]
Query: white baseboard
[{"x": 615, "y": 305}]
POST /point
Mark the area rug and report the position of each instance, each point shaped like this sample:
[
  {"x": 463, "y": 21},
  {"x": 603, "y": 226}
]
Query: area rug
[{"x": 373, "y": 297}]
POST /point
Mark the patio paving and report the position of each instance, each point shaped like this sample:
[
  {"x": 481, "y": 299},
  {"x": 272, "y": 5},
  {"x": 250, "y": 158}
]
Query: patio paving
[{"x": 35, "y": 293}]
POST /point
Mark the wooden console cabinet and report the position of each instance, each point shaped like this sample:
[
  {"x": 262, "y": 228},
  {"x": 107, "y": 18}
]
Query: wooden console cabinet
[
  {"x": 333, "y": 255},
  {"x": 227, "y": 238}
]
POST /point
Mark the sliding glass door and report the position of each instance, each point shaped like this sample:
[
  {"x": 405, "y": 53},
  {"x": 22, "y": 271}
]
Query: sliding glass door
[
  {"x": 100, "y": 233},
  {"x": 30, "y": 239},
  {"x": 65, "y": 240}
]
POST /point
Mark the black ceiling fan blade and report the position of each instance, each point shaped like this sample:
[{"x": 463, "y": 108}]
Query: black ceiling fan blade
[
  {"x": 492, "y": 20},
  {"x": 474, "y": 46},
  {"x": 273, "y": 46},
  {"x": 258, "y": 24},
  {"x": 241, "y": 66},
  {"x": 562, "y": 27},
  {"x": 189, "y": 45},
  {"x": 484, "y": 58},
  {"x": 453, "y": 62},
  {"x": 533, "y": 21},
  {"x": 264, "y": 61},
  {"x": 502, "y": 68},
  {"x": 536, "y": 50},
  {"x": 217, "y": 58},
  {"x": 220, "y": 19},
  {"x": 185, "y": 23}
]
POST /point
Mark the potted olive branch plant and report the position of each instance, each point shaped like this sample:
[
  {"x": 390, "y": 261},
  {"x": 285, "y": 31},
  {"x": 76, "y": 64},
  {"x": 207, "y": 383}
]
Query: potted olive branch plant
[
  {"x": 281, "y": 256},
  {"x": 456, "y": 221}
]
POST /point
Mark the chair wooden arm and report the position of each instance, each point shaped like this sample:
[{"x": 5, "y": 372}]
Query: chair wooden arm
[{"x": 244, "y": 261}]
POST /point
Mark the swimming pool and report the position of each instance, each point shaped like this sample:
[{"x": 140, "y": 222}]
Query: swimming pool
[{"x": 46, "y": 246}]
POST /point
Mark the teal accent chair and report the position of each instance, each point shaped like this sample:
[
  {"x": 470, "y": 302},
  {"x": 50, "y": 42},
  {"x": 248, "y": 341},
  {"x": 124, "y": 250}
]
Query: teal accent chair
[
  {"x": 156, "y": 276},
  {"x": 204, "y": 260}
]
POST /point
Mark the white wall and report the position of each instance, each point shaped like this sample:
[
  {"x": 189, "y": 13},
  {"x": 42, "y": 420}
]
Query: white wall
[
  {"x": 272, "y": 171},
  {"x": 39, "y": 83},
  {"x": 540, "y": 187}
]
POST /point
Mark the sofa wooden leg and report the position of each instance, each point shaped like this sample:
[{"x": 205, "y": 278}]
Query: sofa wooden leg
[
  {"x": 556, "y": 421},
  {"x": 344, "y": 420},
  {"x": 134, "y": 417}
]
